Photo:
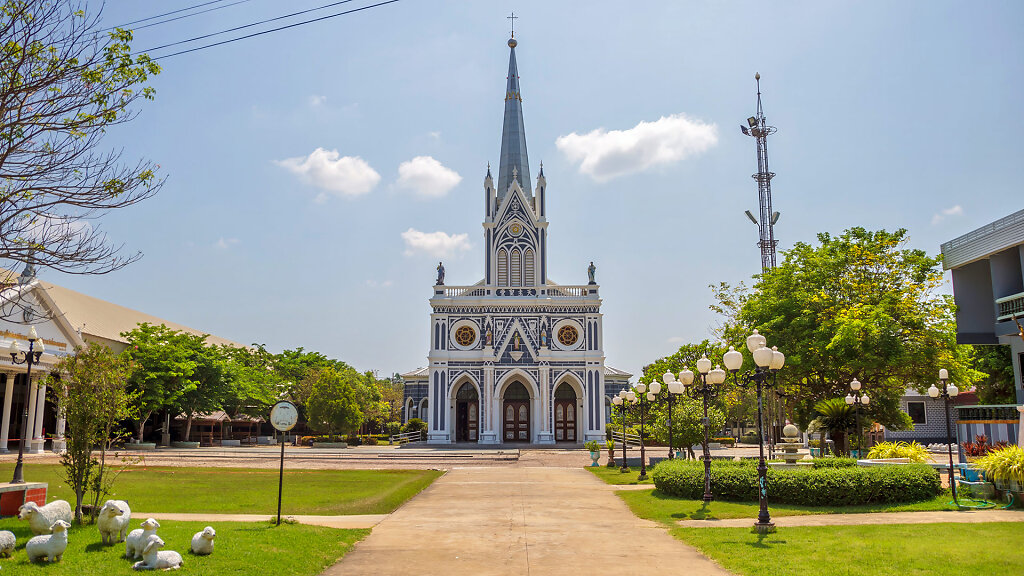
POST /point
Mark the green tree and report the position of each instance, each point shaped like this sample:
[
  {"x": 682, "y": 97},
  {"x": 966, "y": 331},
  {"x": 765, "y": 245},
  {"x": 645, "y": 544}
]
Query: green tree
[
  {"x": 294, "y": 367},
  {"x": 687, "y": 423},
  {"x": 92, "y": 395},
  {"x": 996, "y": 362},
  {"x": 163, "y": 363},
  {"x": 207, "y": 387},
  {"x": 255, "y": 385},
  {"x": 64, "y": 83},
  {"x": 333, "y": 404},
  {"x": 836, "y": 417},
  {"x": 858, "y": 305}
]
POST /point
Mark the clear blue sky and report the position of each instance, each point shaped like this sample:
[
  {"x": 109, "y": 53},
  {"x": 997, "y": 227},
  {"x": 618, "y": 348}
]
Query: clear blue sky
[{"x": 890, "y": 114}]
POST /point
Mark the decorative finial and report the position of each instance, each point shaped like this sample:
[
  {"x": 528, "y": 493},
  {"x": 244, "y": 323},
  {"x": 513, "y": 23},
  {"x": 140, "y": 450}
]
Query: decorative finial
[
  {"x": 541, "y": 168},
  {"x": 515, "y": 173},
  {"x": 757, "y": 75},
  {"x": 512, "y": 18}
]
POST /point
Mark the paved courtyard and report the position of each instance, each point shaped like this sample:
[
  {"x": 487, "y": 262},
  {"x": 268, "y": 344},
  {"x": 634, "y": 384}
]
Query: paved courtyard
[{"x": 519, "y": 520}]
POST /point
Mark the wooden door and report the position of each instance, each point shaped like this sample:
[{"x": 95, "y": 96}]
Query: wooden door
[
  {"x": 565, "y": 420},
  {"x": 517, "y": 421},
  {"x": 466, "y": 421}
]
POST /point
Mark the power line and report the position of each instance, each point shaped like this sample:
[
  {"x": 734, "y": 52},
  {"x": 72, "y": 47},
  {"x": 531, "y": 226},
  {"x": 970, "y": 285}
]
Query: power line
[
  {"x": 162, "y": 15},
  {"x": 190, "y": 15},
  {"x": 236, "y": 28},
  {"x": 275, "y": 29}
]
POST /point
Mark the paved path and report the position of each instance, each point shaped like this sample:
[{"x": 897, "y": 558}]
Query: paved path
[
  {"x": 963, "y": 517},
  {"x": 518, "y": 521},
  {"x": 350, "y": 521}
]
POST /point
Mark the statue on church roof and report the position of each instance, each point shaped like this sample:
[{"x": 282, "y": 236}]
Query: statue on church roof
[
  {"x": 440, "y": 274},
  {"x": 591, "y": 271}
]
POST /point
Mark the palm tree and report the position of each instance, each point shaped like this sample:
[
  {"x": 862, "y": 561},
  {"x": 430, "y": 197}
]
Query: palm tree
[{"x": 837, "y": 417}]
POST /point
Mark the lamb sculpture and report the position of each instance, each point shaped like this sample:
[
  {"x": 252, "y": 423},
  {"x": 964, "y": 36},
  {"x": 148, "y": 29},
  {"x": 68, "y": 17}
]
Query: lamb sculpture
[
  {"x": 50, "y": 546},
  {"x": 136, "y": 540},
  {"x": 7, "y": 543},
  {"x": 202, "y": 542},
  {"x": 113, "y": 521},
  {"x": 41, "y": 518},
  {"x": 155, "y": 559}
]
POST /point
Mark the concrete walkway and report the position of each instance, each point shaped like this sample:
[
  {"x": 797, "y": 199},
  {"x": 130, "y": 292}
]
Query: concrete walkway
[
  {"x": 517, "y": 521},
  {"x": 351, "y": 521},
  {"x": 962, "y": 517}
]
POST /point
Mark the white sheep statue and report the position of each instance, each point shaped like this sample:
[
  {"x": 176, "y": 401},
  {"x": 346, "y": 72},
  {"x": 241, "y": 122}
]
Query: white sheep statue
[
  {"x": 136, "y": 540},
  {"x": 41, "y": 518},
  {"x": 50, "y": 546},
  {"x": 202, "y": 542},
  {"x": 155, "y": 559},
  {"x": 113, "y": 521},
  {"x": 8, "y": 542}
]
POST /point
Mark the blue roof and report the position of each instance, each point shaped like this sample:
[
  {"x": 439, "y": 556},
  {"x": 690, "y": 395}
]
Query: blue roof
[{"x": 513, "y": 134}]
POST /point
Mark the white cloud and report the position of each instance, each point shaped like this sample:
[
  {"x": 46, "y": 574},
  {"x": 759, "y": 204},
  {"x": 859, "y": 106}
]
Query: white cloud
[
  {"x": 604, "y": 155},
  {"x": 946, "y": 213},
  {"x": 225, "y": 243},
  {"x": 437, "y": 244},
  {"x": 435, "y": 135},
  {"x": 376, "y": 284},
  {"x": 317, "y": 100},
  {"x": 347, "y": 176},
  {"x": 427, "y": 177}
]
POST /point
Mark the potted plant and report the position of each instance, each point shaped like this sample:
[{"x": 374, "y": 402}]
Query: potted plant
[
  {"x": 1005, "y": 466},
  {"x": 610, "y": 444},
  {"x": 595, "y": 450}
]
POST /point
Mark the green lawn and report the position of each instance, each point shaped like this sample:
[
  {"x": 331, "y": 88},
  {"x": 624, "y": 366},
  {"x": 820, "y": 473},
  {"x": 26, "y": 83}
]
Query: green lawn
[
  {"x": 290, "y": 549},
  {"x": 657, "y": 506},
  {"x": 614, "y": 476},
  {"x": 990, "y": 549},
  {"x": 236, "y": 490}
]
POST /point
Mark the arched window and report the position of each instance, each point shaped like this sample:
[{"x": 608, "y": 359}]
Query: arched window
[
  {"x": 516, "y": 265},
  {"x": 502, "y": 267},
  {"x": 528, "y": 268}
]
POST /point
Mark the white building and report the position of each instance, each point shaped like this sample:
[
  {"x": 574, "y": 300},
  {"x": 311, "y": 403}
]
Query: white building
[
  {"x": 64, "y": 320},
  {"x": 514, "y": 357}
]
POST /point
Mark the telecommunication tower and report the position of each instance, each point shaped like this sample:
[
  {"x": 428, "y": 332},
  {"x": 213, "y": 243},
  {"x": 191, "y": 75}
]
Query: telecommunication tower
[{"x": 758, "y": 129}]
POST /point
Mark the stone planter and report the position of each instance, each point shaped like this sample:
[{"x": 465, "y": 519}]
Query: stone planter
[
  {"x": 330, "y": 445},
  {"x": 230, "y": 443},
  {"x": 187, "y": 445},
  {"x": 141, "y": 446},
  {"x": 266, "y": 440},
  {"x": 595, "y": 456}
]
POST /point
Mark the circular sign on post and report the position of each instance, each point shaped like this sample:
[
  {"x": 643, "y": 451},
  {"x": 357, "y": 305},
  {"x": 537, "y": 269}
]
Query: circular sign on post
[{"x": 284, "y": 416}]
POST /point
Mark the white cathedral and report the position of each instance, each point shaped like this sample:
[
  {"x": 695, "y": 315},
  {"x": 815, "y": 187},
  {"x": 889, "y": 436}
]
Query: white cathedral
[{"x": 514, "y": 357}]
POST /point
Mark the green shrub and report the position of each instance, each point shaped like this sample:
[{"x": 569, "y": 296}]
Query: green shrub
[
  {"x": 592, "y": 446},
  {"x": 834, "y": 462},
  {"x": 368, "y": 440},
  {"x": 1003, "y": 464},
  {"x": 392, "y": 428},
  {"x": 725, "y": 441},
  {"x": 414, "y": 425},
  {"x": 842, "y": 485},
  {"x": 914, "y": 451},
  {"x": 749, "y": 438}
]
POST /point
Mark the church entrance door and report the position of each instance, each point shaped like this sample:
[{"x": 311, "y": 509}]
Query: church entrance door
[
  {"x": 467, "y": 413},
  {"x": 565, "y": 414},
  {"x": 516, "y": 413}
]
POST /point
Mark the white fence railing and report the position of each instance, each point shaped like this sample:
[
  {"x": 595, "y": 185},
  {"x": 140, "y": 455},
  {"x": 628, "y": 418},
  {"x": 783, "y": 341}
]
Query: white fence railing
[
  {"x": 478, "y": 291},
  {"x": 408, "y": 437},
  {"x": 631, "y": 439}
]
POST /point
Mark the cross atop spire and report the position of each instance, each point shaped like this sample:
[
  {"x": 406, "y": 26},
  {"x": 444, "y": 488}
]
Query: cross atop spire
[{"x": 513, "y": 19}]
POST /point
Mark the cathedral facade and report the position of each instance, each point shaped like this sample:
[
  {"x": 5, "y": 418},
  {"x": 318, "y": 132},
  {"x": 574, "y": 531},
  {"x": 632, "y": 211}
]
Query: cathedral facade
[{"x": 514, "y": 357}]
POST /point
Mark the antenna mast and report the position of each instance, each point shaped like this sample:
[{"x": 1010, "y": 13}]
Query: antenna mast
[{"x": 759, "y": 129}]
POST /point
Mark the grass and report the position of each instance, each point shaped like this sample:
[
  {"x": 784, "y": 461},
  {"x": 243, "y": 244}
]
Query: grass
[
  {"x": 247, "y": 491},
  {"x": 614, "y": 476},
  {"x": 992, "y": 549},
  {"x": 291, "y": 549},
  {"x": 660, "y": 507}
]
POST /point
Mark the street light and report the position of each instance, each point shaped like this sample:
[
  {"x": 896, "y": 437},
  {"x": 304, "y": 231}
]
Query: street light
[
  {"x": 29, "y": 358},
  {"x": 768, "y": 361},
  {"x": 948, "y": 391},
  {"x": 620, "y": 401},
  {"x": 856, "y": 401},
  {"x": 674, "y": 388},
  {"x": 706, "y": 390},
  {"x": 643, "y": 402}
]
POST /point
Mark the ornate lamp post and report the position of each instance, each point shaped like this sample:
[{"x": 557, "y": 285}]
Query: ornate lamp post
[
  {"x": 675, "y": 388},
  {"x": 28, "y": 358},
  {"x": 856, "y": 401},
  {"x": 620, "y": 401},
  {"x": 706, "y": 390},
  {"x": 642, "y": 398},
  {"x": 767, "y": 361},
  {"x": 948, "y": 391}
]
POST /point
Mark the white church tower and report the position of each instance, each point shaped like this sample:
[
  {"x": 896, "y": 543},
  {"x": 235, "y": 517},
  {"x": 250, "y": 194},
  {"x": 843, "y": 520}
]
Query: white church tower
[{"x": 514, "y": 357}]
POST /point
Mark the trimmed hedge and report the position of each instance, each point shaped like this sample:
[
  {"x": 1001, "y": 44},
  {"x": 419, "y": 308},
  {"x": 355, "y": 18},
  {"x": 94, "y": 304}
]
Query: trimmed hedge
[
  {"x": 834, "y": 462},
  {"x": 838, "y": 485}
]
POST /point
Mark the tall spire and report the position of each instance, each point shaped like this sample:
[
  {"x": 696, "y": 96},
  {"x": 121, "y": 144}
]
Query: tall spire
[{"x": 513, "y": 134}]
